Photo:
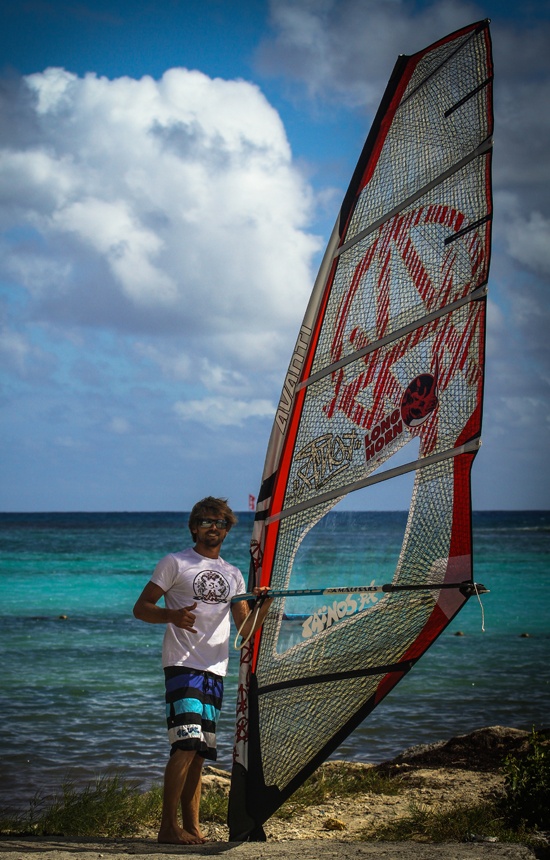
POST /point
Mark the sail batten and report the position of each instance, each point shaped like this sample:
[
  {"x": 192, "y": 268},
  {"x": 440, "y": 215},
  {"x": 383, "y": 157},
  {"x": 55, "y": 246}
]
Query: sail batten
[
  {"x": 344, "y": 675},
  {"x": 468, "y": 229},
  {"x": 480, "y": 293},
  {"x": 385, "y": 475},
  {"x": 469, "y": 96},
  {"x": 390, "y": 354},
  {"x": 480, "y": 150},
  {"x": 460, "y": 46}
]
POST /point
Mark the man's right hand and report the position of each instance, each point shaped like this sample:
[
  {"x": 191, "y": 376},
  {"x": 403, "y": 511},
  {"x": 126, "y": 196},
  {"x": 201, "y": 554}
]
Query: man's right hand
[{"x": 183, "y": 618}]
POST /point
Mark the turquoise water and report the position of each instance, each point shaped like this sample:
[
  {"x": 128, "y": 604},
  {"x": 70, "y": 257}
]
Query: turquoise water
[{"x": 83, "y": 695}]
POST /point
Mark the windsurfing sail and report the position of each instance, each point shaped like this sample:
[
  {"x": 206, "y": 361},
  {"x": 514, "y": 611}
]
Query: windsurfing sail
[{"x": 390, "y": 354}]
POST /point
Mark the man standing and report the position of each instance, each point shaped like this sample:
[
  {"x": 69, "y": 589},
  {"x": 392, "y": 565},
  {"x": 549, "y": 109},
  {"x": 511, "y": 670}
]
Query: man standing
[{"x": 197, "y": 586}]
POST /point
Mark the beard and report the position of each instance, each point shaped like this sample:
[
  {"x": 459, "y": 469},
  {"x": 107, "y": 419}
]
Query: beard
[{"x": 212, "y": 540}]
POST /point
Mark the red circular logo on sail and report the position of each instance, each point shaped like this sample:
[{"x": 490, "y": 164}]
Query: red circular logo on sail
[{"x": 419, "y": 400}]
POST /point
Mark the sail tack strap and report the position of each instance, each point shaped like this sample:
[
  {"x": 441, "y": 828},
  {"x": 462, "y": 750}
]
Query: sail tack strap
[
  {"x": 340, "y": 492},
  {"x": 480, "y": 293},
  {"x": 482, "y": 149}
]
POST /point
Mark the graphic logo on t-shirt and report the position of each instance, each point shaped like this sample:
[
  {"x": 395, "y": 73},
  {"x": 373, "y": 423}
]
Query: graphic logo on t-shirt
[{"x": 210, "y": 587}]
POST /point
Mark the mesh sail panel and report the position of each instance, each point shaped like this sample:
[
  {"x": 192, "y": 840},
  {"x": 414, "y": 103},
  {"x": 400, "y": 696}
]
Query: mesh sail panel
[
  {"x": 386, "y": 379},
  {"x": 281, "y": 712},
  {"x": 362, "y": 419},
  {"x": 424, "y": 139},
  {"x": 374, "y": 633},
  {"x": 404, "y": 270}
]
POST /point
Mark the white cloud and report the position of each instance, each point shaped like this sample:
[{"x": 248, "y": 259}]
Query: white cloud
[
  {"x": 129, "y": 250},
  {"x": 221, "y": 379},
  {"x": 174, "y": 363},
  {"x": 223, "y": 411},
  {"x": 71, "y": 443},
  {"x": 52, "y": 89},
  {"x": 528, "y": 238},
  {"x": 152, "y": 206},
  {"x": 346, "y": 49}
]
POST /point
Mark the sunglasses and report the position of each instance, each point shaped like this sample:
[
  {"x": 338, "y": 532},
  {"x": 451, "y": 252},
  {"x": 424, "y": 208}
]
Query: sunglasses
[{"x": 206, "y": 523}]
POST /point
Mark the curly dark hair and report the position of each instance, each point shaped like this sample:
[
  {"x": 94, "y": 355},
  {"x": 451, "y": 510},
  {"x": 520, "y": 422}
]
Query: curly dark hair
[{"x": 210, "y": 506}]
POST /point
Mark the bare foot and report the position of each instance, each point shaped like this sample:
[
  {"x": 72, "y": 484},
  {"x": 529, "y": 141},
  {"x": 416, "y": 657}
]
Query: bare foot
[
  {"x": 194, "y": 830},
  {"x": 179, "y": 837},
  {"x": 196, "y": 833}
]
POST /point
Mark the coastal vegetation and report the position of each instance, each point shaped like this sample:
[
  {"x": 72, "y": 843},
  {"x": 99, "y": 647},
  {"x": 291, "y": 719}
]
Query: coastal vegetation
[
  {"x": 521, "y": 813},
  {"x": 518, "y": 812},
  {"x": 112, "y": 807}
]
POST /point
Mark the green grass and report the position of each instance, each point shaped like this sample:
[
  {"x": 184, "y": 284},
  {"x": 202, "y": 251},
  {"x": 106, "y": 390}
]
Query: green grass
[
  {"x": 527, "y": 784},
  {"x": 340, "y": 781},
  {"x": 214, "y": 805},
  {"x": 521, "y": 814},
  {"x": 113, "y": 807},
  {"x": 462, "y": 823},
  {"x": 110, "y": 806}
]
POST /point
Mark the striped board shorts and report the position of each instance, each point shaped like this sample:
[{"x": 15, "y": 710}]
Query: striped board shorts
[{"x": 193, "y": 705}]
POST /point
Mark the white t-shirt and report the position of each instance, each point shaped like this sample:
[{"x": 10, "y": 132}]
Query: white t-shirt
[{"x": 188, "y": 577}]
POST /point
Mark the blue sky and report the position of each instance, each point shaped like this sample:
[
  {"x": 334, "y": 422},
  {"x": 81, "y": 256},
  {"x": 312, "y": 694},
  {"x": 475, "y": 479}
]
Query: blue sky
[{"x": 170, "y": 175}]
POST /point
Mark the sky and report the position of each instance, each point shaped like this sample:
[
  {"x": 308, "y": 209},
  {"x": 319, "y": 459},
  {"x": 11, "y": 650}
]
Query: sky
[{"x": 170, "y": 175}]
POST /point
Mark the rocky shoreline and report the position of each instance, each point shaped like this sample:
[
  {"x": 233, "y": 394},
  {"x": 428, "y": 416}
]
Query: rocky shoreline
[{"x": 465, "y": 769}]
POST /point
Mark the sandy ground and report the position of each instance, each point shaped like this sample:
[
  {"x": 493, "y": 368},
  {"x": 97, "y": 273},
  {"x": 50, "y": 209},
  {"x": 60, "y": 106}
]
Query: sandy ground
[
  {"x": 463, "y": 770},
  {"x": 308, "y": 849}
]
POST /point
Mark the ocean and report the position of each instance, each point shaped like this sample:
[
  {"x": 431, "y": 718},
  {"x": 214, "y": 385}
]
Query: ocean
[{"x": 81, "y": 685}]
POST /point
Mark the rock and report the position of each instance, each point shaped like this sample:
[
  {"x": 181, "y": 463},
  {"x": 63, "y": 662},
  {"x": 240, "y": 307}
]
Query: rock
[
  {"x": 483, "y": 749},
  {"x": 334, "y": 824},
  {"x": 215, "y": 777}
]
